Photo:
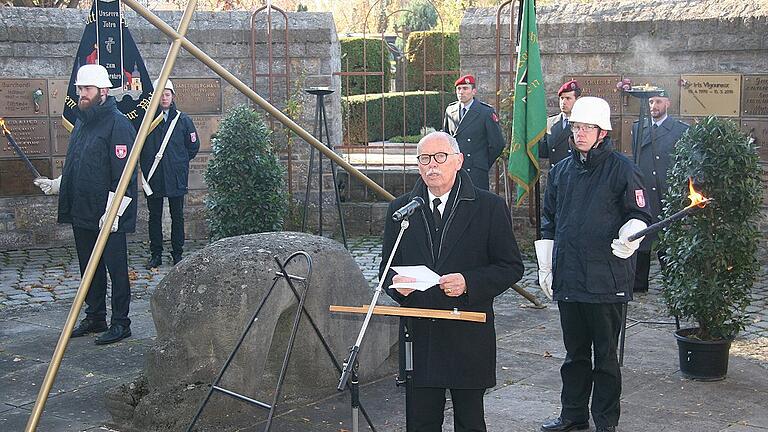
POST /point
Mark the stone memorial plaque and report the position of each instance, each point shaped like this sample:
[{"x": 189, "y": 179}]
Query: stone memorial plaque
[
  {"x": 602, "y": 86},
  {"x": 31, "y": 134},
  {"x": 58, "y": 166},
  {"x": 197, "y": 167},
  {"x": 670, "y": 83},
  {"x": 206, "y": 125},
  {"x": 754, "y": 95},
  {"x": 57, "y": 92},
  {"x": 198, "y": 95},
  {"x": 59, "y": 137},
  {"x": 16, "y": 179},
  {"x": 758, "y": 129},
  {"x": 23, "y": 97},
  {"x": 703, "y": 95}
]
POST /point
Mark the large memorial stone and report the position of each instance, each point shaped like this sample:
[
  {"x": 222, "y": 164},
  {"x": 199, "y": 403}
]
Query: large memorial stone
[{"x": 200, "y": 310}]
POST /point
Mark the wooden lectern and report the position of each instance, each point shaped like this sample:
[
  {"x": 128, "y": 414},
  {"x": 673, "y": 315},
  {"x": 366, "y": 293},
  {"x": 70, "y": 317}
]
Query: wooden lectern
[{"x": 405, "y": 312}]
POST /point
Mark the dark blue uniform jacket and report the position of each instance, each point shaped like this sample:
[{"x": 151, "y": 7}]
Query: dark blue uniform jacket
[
  {"x": 585, "y": 204},
  {"x": 98, "y": 151}
]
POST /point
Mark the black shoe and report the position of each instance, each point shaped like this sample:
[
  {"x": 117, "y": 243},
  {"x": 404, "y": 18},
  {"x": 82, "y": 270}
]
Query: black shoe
[
  {"x": 89, "y": 326},
  {"x": 116, "y": 332},
  {"x": 154, "y": 262},
  {"x": 562, "y": 425},
  {"x": 605, "y": 429},
  {"x": 176, "y": 258}
]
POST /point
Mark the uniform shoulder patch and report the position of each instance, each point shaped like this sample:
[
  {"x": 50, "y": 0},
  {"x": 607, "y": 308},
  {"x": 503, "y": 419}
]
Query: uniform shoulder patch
[
  {"x": 640, "y": 198},
  {"x": 121, "y": 151}
]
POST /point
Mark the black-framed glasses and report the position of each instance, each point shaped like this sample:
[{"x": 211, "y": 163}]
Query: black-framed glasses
[
  {"x": 440, "y": 157},
  {"x": 576, "y": 128}
]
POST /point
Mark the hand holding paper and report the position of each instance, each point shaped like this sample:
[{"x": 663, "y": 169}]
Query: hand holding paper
[{"x": 420, "y": 278}]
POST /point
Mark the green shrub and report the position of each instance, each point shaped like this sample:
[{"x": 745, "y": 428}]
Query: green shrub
[
  {"x": 421, "y": 16},
  {"x": 427, "y": 46},
  {"x": 352, "y": 60},
  {"x": 245, "y": 178},
  {"x": 355, "y": 110},
  {"x": 710, "y": 257}
]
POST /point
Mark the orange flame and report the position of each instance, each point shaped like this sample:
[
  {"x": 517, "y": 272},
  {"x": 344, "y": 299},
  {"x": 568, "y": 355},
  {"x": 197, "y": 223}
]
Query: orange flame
[
  {"x": 697, "y": 199},
  {"x": 2, "y": 126}
]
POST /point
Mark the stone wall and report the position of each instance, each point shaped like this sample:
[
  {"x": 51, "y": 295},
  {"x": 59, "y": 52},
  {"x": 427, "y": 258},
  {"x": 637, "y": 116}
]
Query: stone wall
[
  {"x": 645, "y": 38},
  {"x": 41, "y": 43}
]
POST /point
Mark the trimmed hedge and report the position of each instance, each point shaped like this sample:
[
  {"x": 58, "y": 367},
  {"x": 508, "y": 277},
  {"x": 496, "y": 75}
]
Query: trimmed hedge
[
  {"x": 352, "y": 61},
  {"x": 354, "y": 109},
  {"x": 428, "y": 43}
]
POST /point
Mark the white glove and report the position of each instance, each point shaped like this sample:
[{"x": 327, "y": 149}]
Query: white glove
[
  {"x": 544, "y": 256},
  {"x": 48, "y": 186},
  {"x": 123, "y": 205},
  {"x": 624, "y": 248}
]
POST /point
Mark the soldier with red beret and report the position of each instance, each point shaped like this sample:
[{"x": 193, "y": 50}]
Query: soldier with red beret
[
  {"x": 475, "y": 125},
  {"x": 554, "y": 146}
]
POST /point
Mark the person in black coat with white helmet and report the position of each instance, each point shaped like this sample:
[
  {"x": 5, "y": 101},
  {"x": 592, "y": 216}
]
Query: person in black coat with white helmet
[
  {"x": 594, "y": 201},
  {"x": 96, "y": 156}
]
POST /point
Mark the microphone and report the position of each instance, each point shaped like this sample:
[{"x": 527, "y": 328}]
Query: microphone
[{"x": 408, "y": 209}]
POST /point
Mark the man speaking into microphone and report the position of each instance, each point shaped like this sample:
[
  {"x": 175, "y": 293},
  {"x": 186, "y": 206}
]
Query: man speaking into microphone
[{"x": 465, "y": 235}]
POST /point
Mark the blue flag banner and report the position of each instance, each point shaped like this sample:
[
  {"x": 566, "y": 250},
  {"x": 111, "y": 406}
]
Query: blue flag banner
[{"x": 107, "y": 41}]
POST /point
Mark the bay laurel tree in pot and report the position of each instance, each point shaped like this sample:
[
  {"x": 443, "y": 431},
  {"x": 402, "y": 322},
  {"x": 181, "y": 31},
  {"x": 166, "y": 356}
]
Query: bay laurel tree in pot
[
  {"x": 246, "y": 186},
  {"x": 710, "y": 256}
]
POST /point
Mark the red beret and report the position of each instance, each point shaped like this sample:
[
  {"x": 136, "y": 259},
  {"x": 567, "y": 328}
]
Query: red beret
[
  {"x": 571, "y": 85},
  {"x": 466, "y": 79}
]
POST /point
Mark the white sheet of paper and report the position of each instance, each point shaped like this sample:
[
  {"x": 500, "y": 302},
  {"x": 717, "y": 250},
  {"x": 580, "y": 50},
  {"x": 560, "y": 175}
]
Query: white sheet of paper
[{"x": 425, "y": 277}]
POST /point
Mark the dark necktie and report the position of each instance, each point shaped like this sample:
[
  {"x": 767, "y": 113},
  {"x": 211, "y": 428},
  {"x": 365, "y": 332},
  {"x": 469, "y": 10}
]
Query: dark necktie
[
  {"x": 436, "y": 216},
  {"x": 565, "y": 123},
  {"x": 463, "y": 111}
]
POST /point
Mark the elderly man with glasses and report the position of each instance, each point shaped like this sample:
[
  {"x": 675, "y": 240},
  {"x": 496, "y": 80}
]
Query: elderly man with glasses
[
  {"x": 594, "y": 201},
  {"x": 465, "y": 235}
]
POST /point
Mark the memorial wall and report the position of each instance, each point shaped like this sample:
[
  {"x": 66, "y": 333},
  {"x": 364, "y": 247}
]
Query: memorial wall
[
  {"x": 717, "y": 50},
  {"x": 37, "y": 48}
]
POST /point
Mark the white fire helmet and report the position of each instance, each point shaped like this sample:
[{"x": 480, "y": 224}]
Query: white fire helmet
[
  {"x": 591, "y": 110},
  {"x": 168, "y": 85},
  {"x": 93, "y": 75}
]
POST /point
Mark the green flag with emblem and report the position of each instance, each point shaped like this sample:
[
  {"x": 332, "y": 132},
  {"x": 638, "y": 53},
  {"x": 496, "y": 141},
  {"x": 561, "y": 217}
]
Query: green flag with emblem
[{"x": 529, "y": 119}]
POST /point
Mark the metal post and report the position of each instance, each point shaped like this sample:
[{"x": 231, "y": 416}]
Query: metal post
[{"x": 104, "y": 233}]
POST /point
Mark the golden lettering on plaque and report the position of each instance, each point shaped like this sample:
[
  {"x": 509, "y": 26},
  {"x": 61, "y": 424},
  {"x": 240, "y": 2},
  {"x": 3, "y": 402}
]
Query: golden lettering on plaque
[{"x": 703, "y": 95}]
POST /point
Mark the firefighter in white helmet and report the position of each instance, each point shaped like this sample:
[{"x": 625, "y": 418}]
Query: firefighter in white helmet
[
  {"x": 165, "y": 169},
  {"x": 97, "y": 153},
  {"x": 594, "y": 200}
]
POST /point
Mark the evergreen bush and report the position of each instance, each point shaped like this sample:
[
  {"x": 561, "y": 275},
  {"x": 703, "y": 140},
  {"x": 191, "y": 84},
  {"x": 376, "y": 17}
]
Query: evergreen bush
[
  {"x": 710, "y": 255},
  {"x": 357, "y": 107},
  {"x": 423, "y": 51},
  {"x": 352, "y": 60},
  {"x": 246, "y": 186}
]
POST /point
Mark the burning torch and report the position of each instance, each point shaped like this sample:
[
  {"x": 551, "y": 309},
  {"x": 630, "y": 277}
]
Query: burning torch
[
  {"x": 697, "y": 201},
  {"x": 18, "y": 149}
]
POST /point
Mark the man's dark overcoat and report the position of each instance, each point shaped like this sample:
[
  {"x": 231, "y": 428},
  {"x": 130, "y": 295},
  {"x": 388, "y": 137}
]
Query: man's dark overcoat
[{"x": 477, "y": 242}]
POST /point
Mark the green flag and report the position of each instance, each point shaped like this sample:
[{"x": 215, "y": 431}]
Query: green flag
[{"x": 529, "y": 119}]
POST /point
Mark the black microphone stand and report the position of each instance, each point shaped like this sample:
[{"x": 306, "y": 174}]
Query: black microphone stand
[{"x": 351, "y": 364}]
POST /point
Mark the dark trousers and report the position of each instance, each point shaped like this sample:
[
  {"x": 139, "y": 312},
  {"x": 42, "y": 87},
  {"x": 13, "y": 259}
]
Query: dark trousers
[
  {"x": 115, "y": 260},
  {"x": 155, "y": 207},
  {"x": 643, "y": 268},
  {"x": 588, "y": 325},
  {"x": 428, "y": 405}
]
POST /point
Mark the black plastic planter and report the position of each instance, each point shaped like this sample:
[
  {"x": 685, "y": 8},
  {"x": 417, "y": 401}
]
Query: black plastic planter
[{"x": 702, "y": 360}]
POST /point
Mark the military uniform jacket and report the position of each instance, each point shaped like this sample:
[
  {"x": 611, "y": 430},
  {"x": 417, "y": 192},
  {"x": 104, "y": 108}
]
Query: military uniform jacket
[
  {"x": 479, "y": 136},
  {"x": 98, "y": 150},
  {"x": 555, "y": 144},
  {"x": 585, "y": 204},
  {"x": 653, "y": 160},
  {"x": 171, "y": 178},
  {"x": 478, "y": 242}
]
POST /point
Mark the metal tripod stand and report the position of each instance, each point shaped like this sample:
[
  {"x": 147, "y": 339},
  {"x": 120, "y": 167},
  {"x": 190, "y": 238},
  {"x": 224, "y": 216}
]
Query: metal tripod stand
[{"x": 320, "y": 131}]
